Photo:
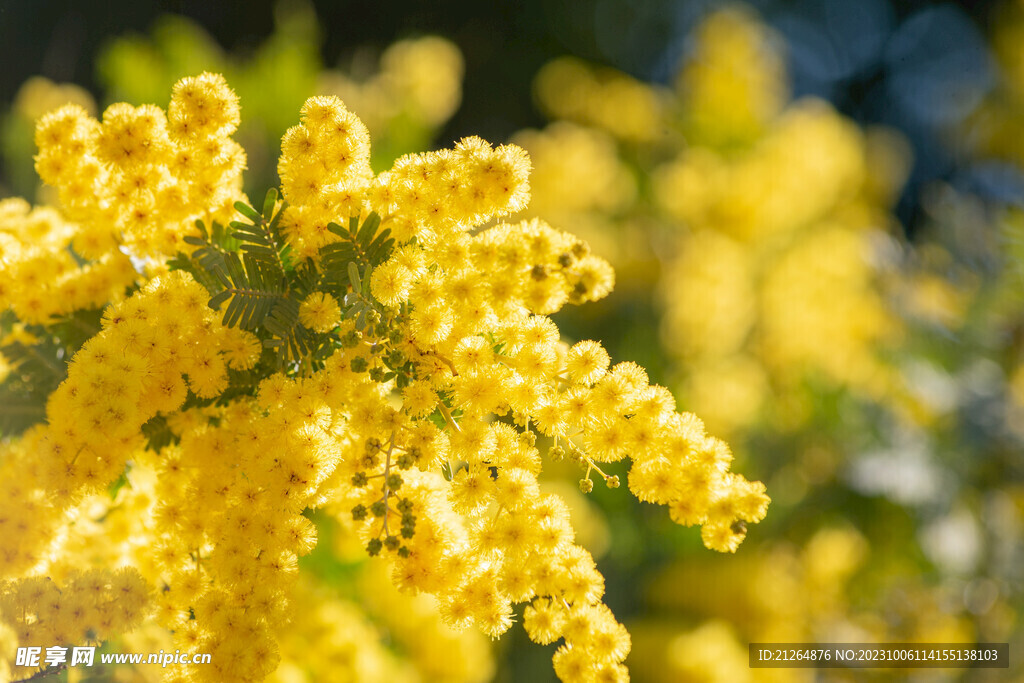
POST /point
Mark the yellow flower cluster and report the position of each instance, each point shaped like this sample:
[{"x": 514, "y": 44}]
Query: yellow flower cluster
[
  {"x": 784, "y": 593},
  {"x": 438, "y": 652},
  {"x": 736, "y": 84},
  {"x": 766, "y": 217},
  {"x": 326, "y": 176},
  {"x": 36, "y": 96},
  {"x": 41, "y": 280},
  {"x": 403, "y": 94},
  {"x": 349, "y": 638},
  {"x": 39, "y": 95},
  {"x": 415, "y": 411},
  {"x": 776, "y": 276},
  {"x": 993, "y": 129},
  {"x": 26, "y": 512},
  {"x": 579, "y": 183},
  {"x": 87, "y": 607},
  {"x": 346, "y": 644},
  {"x": 143, "y": 177},
  {"x": 124, "y": 376},
  {"x": 571, "y": 89}
]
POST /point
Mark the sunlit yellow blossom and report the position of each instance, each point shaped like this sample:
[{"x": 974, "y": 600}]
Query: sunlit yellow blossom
[
  {"x": 377, "y": 357},
  {"x": 320, "y": 312}
]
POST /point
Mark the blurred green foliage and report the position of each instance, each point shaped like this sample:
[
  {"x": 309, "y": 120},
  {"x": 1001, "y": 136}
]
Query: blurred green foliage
[{"x": 272, "y": 82}]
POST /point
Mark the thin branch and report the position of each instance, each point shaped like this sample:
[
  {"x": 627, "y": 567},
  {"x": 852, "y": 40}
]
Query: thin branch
[
  {"x": 448, "y": 416},
  {"x": 43, "y": 673}
]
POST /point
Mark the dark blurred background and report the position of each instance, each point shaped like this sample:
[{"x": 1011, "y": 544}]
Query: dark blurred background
[{"x": 915, "y": 65}]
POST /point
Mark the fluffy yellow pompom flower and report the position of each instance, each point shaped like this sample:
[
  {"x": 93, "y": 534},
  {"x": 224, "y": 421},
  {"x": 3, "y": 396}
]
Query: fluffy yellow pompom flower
[
  {"x": 320, "y": 312},
  {"x": 391, "y": 282},
  {"x": 141, "y": 177},
  {"x": 241, "y": 349},
  {"x": 587, "y": 361},
  {"x": 204, "y": 106}
]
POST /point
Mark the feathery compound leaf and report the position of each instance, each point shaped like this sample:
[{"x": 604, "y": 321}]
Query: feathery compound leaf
[
  {"x": 217, "y": 299},
  {"x": 218, "y": 272},
  {"x": 304, "y": 280},
  {"x": 353, "y": 276},
  {"x": 248, "y": 212},
  {"x": 334, "y": 260},
  {"x": 361, "y": 246},
  {"x": 339, "y": 231},
  {"x": 253, "y": 284},
  {"x": 283, "y": 322},
  {"x": 262, "y": 237},
  {"x": 248, "y": 308},
  {"x": 268, "y": 204},
  {"x": 206, "y": 263},
  {"x": 369, "y": 228},
  {"x": 339, "y": 253},
  {"x": 380, "y": 248}
]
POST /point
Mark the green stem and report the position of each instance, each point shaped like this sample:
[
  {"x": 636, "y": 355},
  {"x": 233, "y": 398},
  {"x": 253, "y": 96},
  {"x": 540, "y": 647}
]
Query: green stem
[{"x": 448, "y": 416}]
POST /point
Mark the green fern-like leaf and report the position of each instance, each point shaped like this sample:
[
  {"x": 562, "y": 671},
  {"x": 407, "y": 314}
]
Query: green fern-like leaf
[
  {"x": 303, "y": 280},
  {"x": 360, "y": 245},
  {"x": 253, "y": 285},
  {"x": 334, "y": 260},
  {"x": 368, "y": 229},
  {"x": 206, "y": 264},
  {"x": 249, "y": 272},
  {"x": 158, "y": 433},
  {"x": 296, "y": 341},
  {"x": 262, "y": 236}
]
